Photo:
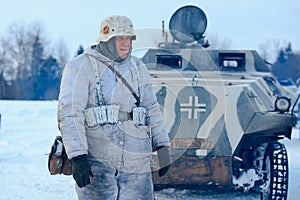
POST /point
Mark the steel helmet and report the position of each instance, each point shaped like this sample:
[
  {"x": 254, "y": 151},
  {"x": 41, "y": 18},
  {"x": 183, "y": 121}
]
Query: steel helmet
[{"x": 115, "y": 25}]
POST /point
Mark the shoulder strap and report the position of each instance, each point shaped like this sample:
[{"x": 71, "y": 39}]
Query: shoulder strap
[
  {"x": 125, "y": 83},
  {"x": 95, "y": 68}
]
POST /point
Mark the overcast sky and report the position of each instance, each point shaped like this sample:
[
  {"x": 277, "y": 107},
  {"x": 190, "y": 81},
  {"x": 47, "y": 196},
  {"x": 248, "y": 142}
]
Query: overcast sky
[{"x": 247, "y": 23}]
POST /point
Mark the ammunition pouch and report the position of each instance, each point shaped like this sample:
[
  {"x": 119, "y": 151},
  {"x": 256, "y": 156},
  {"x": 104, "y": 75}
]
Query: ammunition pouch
[
  {"x": 58, "y": 161},
  {"x": 95, "y": 116},
  {"x": 111, "y": 114},
  {"x": 139, "y": 116}
]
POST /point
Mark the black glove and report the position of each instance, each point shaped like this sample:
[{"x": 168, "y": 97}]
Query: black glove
[
  {"x": 164, "y": 160},
  {"x": 81, "y": 170}
]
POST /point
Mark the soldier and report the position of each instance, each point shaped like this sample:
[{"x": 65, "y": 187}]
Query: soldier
[{"x": 109, "y": 118}]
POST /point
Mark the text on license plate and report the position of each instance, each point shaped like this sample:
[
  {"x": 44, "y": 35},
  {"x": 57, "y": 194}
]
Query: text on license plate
[{"x": 191, "y": 143}]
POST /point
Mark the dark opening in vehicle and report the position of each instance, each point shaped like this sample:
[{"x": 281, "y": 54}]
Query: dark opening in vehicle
[
  {"x": 166, "y": 61},
  {"x": 232, "y": 61}
]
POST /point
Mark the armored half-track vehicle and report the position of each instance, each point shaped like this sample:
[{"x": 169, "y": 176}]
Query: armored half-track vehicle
[{"x": 224, "y": 110}]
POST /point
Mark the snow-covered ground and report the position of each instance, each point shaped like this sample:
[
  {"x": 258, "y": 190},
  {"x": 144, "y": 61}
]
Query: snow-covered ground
[{"x": 28, "y": 129}]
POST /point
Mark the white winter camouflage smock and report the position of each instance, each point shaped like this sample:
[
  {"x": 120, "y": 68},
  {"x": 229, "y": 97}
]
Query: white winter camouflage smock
[{"x": 122, "y": 145}]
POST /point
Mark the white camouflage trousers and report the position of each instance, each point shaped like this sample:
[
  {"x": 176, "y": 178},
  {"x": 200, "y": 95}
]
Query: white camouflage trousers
[{"x": 111, "y": 184}]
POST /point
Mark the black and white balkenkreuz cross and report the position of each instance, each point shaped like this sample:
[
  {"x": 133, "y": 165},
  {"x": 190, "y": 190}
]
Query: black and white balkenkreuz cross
[{"x": 193, "y": 107}]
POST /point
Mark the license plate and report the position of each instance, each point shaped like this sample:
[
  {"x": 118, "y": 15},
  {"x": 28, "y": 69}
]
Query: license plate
[{"x": 191, "y": 143}]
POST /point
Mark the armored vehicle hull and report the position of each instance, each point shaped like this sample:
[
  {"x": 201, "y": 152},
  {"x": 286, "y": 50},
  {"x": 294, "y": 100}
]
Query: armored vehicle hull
[{"x": 225, "y": 113}]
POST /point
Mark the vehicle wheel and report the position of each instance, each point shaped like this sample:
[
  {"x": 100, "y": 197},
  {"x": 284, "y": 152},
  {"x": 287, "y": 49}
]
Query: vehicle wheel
[{"x": 276, "y": 172}]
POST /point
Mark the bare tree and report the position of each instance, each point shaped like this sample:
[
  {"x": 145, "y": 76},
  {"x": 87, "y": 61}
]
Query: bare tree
[
  {"x": 217, "y": 43},
  {"x": 60, "y": 52},
  {"x": 16, "y": 48},
  {"x": 271, "y": 48}
]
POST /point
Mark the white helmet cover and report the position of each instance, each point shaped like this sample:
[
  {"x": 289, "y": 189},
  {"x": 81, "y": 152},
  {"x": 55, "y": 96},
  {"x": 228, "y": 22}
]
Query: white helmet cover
[{"x": 115, "y": 25}]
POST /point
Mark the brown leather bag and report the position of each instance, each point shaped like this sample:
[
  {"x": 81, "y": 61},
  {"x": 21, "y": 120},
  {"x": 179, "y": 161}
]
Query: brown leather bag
[{"x": 58, "y": 162}]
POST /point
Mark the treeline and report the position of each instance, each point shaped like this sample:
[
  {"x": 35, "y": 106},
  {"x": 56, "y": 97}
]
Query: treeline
[{"x": 30, "y": 69}]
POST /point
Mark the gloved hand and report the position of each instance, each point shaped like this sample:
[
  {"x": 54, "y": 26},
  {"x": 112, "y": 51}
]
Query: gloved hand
[
  {"x": 81, "y": 170},
  {"x": 164, "y": 160}
]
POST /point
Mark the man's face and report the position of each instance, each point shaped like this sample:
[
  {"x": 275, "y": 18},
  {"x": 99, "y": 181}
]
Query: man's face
[{"x": 123, "y": 44}]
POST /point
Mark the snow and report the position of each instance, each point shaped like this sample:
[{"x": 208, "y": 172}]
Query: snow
[{"x": 28, "y": 129}]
